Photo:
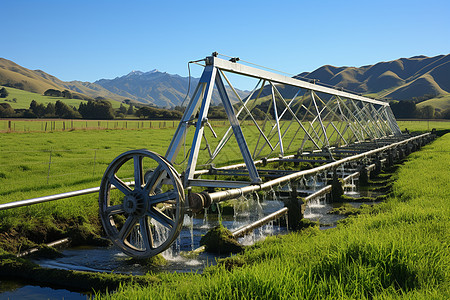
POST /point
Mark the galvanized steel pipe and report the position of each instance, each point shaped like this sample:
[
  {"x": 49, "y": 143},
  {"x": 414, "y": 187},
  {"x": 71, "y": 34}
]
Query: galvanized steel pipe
[
  {"x": 236, "y": 193},
  {"x": 43, "y": 199},
  {"x": 247, "y": 228},
  {"x": 275, "y": 215}
]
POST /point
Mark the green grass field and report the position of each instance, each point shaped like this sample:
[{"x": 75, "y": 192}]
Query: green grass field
[
  {"x": 424, "y": 125},
  {"x": 371, "y": 253},
  {"x": 42, "y": 163},
  {"x": 24, "y": 98},
  {"x": 395, "y": 250},
  {"x": 47, "y": 125}
]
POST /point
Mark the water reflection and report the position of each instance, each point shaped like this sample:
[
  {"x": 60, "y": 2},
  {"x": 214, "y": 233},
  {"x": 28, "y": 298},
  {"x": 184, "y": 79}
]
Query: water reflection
[{"x": 10, "y": 289}]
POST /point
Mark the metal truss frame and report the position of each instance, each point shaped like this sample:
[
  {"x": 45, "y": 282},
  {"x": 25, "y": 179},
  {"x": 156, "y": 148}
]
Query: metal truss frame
[{"x": 320, "y": 118}]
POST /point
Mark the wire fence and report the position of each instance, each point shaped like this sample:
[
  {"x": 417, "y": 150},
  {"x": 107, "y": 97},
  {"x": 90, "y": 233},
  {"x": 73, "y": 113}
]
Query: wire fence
[
  {"x": 49, "y": 125},
  {"x": 36, "y": 125}
]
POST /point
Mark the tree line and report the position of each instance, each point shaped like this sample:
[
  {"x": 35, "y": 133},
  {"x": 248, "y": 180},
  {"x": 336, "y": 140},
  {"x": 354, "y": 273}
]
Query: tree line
[
  {"x": 101, "y": 109},
  {"x": 91, "y": 109},
  {"x": 98, "y": 108},
  {"x": 409, "y": 110}
]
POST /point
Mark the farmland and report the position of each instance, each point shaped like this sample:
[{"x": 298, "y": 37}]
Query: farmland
[
  {"x": 24, "y": 98},
  {"x": 395, "y": 250},
  {"x": 388, "y": 251}
]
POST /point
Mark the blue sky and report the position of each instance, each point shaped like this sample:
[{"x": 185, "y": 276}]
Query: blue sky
[{"x": 90, "y": 40}]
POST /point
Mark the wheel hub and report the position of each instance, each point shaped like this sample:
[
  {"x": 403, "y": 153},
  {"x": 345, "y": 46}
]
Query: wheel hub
[{"x": 134, "y": 204}]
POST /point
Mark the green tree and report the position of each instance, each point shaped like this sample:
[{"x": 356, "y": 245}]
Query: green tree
[
  {"x": 64, "y": 111},
  {"x": 33, "y": 104},
  {"x": 66, "y": 94},
  {"x": 38, "y": 109},
  {"x": 122, "y": 109},
  {"x": 130, "y": 110},
  {"x": 52, "y": 93},
  {"x": 3, "y": 93},
  {"x": 97, "y": 109},
  {"x": 50, "y": 110},
  {"x": 6, "y": 110},
  {"x": 158, "y": 113},
  {"x": 446, "y": 114},
  {"x": 404, "y": 109},
  {"x": 426, "y": 112}
]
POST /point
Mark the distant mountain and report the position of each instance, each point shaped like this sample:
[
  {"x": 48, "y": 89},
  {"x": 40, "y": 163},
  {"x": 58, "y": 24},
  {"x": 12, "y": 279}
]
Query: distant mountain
[
  {"x": 38, "y": 81},
  {"x": 401, "y": 79},
  {"x": 155, "y": 87}
]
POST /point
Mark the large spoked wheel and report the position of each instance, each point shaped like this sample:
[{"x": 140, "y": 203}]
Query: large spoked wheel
[{"x": 145, "y": 220}]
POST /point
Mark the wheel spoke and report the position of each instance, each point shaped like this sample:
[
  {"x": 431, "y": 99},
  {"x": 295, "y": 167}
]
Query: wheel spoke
[
  {"x": 114, "y": 210},
  {"x": 145, "y": 216},
  {"x": 155, "y": 179},
  {"x": 161, "y": 217},
  {"x": 138, "y": 171},
  {"x": 146, "y": 233},
  {"x": 120, "y": 185},
  {"x": 163, "y": 197},
  {"x": 127, "y": 227}
]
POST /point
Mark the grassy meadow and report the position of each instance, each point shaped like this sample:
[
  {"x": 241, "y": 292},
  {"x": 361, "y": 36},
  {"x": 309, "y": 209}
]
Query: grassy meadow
[
  {"x": 398, "y": 249},
  {"x": 423, "y": 125},
  {"x": 51, "y": 125},
  {"x": 24, "y": 98},
  {"x": 37, "y": 163}
]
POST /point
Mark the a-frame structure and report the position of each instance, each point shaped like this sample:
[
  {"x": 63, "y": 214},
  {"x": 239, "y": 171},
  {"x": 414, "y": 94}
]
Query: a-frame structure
[{"x": 312, "y": 117}]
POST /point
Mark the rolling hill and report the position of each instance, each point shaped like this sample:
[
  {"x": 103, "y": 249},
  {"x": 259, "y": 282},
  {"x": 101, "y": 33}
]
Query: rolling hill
[
  {"x": 401, "y": 79},
  {"x": 418, "y": 77},
  {"x": 154, "y": 87},
  {"x": 37, "y": 81}
]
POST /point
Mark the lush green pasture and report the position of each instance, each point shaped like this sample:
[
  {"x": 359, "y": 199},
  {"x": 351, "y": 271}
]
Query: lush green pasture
[
  {"x": 424, "y": 125},
  {"x": 41, "y": 163},
  {"x": 399, "y": 249},
  {"x": 47, "y": 125},
  {"x": 34, "y": 164},
  {"x": 37, "y": 164},
  {"x": 24, "y": 98}
]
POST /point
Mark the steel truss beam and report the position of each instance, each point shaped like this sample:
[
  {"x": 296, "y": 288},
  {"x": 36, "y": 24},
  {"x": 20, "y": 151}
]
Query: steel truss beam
[{"x": 315, "y": 118}]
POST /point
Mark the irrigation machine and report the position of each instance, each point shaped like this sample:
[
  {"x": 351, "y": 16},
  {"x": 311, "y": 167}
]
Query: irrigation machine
[{"x": 283, "y": 121}]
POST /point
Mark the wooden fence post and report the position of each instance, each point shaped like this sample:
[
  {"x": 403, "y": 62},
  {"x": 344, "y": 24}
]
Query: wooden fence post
[{"x": 49, "y": 164}]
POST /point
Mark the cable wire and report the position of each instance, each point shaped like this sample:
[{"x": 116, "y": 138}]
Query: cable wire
[{"x": 257, "y": 65}]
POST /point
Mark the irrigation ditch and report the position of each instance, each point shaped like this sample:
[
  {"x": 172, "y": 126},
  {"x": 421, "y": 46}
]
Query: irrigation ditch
[{"x": 319, "y": 196}]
